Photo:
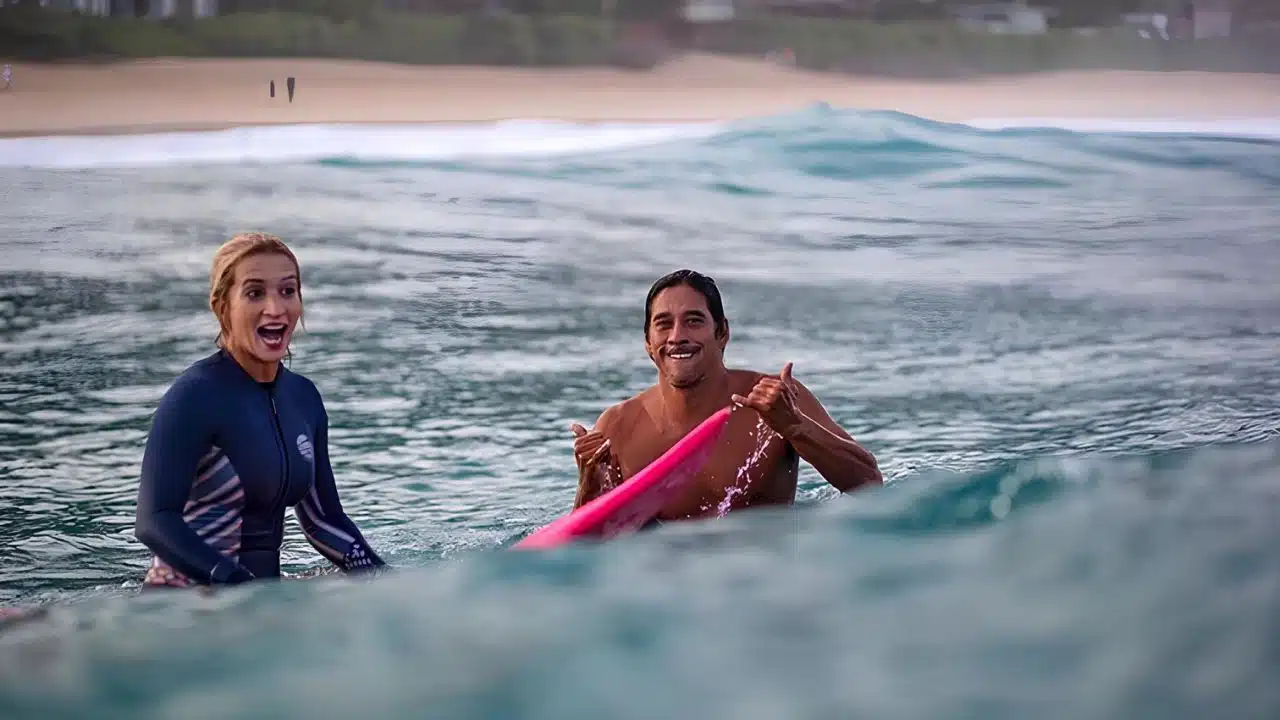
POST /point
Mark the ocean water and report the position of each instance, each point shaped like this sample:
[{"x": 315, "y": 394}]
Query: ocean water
[{"x": 1061, "y": 343}]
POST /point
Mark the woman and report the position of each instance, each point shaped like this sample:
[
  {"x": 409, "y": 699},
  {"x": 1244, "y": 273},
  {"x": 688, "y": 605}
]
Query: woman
[{"x": 238, "y": 437}]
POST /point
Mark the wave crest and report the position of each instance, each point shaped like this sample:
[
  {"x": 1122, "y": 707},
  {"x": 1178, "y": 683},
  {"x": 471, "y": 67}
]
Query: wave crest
[{"x": 817, "y": 131}]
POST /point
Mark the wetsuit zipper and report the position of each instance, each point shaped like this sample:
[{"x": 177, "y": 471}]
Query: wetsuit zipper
[{"x": 284, "y": 451}]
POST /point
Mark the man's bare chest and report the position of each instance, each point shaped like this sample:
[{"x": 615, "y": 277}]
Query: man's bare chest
[{"x": 748, "y": 461}]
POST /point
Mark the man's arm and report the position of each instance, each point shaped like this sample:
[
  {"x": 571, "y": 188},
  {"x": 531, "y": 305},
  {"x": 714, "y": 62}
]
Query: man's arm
[{"x": 822, "y": 443}]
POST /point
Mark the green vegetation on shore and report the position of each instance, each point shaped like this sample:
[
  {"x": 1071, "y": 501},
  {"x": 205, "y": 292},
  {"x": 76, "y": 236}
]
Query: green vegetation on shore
[
  {"x": 943, "y": 50},
  {"x": 906, "y": 49}
]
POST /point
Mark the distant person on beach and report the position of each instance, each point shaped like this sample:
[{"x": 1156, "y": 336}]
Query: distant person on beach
[
  {"x": 8, "y": 76},
  {"x": 238, "y": 438},
  {"x": 777, "y": 421}
]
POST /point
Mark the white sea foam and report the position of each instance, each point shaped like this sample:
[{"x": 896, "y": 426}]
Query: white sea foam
[
  {"x": 1254, "y": 128},
  {"x": 302, "y": 143},
  {"x": 432, "y": 142}
]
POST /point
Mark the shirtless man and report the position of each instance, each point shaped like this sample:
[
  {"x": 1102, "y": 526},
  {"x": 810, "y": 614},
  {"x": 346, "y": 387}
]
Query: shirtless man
[{"x": 776, "y": 420}]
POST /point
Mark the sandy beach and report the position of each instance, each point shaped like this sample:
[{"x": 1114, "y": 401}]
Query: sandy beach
[{"x": 189, "y": 94}]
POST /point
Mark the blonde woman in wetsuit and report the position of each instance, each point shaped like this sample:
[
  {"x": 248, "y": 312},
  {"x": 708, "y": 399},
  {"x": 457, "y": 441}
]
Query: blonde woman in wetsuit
[{"x": 238, "y": 438}]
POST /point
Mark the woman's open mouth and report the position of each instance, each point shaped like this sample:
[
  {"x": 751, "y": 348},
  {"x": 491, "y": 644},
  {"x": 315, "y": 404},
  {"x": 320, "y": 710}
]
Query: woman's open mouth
[{"x": 272, "y": 335}]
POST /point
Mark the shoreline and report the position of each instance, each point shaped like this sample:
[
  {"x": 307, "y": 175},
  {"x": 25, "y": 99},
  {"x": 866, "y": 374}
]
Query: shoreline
[
  {"x": 158, "y": 129},
  {"x": 166, "y": 95}
]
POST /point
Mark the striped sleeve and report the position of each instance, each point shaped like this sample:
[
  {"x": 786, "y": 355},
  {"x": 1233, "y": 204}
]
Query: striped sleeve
[
  {"x": 178, "y": 459},
  {"x": 323, "y": 520}
]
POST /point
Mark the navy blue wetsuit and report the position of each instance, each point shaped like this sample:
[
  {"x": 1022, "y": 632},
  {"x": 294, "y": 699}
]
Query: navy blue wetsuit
[{"x": 225, "y": 457}]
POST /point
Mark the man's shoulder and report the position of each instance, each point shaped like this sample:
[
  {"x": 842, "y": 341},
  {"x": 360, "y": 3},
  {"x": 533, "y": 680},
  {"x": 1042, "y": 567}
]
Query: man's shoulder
[
  {"x": 740, "y": 378},
  {"x": 626, "y": 412},
  {"x": 624, "y": 409}
]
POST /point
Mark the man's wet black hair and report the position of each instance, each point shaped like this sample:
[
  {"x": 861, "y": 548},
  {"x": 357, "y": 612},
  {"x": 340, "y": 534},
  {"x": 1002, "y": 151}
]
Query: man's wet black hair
[{"x": 696, "y": 280}]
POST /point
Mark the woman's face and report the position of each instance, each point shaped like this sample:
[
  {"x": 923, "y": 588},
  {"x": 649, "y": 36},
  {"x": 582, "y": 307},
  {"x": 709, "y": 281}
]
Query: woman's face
[{"x": 262, "y": 310}]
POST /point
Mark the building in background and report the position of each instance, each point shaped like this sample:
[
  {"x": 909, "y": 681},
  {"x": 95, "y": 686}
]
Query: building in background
[
  {"x": 166, "y": 8},
  {"x": 133, "y": 8},
  {"x": 1008, "y": 18},
  {"x": 84, "y": 7},
  {"x": 709, "y": 11},
  {"x": 1209, "y": 18}
]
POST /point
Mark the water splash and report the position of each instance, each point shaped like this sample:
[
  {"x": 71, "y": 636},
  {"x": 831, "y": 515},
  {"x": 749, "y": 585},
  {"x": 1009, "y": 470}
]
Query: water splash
[
  {"x": 763, "y": 435},
  {"x": 609, "y": 475}
]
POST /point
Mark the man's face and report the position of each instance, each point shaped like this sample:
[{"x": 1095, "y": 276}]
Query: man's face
[{"x": 681, "y": 338}]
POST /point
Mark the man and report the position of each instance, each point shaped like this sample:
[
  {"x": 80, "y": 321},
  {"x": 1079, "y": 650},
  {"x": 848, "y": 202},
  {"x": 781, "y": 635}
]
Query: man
[{"x": 775, "y": 423}]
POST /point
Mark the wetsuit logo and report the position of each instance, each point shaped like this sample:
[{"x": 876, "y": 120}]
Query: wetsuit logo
[{"x": 304, "y": 447}]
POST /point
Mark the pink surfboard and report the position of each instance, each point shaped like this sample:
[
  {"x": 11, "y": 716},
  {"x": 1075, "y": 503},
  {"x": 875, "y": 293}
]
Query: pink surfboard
[
  {"x": 637, "y": 501},
  {"x": 17, "y": 614}
]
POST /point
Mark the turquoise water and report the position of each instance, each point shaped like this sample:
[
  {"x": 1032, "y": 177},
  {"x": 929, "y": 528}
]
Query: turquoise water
[{"x": 1061, "y": 346}]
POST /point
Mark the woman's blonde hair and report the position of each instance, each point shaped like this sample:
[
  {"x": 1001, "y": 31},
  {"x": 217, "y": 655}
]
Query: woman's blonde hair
[{"x": 223, "y": 274}]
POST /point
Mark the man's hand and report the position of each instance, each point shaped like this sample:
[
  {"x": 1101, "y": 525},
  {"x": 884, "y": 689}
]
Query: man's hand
[
  {"x": 794, "y": 413},
  {"x": 598, "y": 470},
  {"x": 774, "y": 397}
]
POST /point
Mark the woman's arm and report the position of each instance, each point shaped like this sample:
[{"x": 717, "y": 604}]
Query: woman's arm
[
  {"x": 323, "y": 521},
  {"x": 179, "y": 438}
]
